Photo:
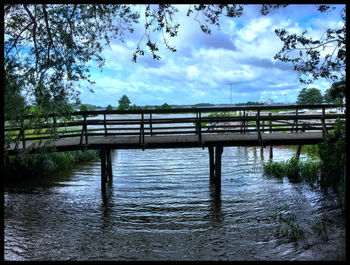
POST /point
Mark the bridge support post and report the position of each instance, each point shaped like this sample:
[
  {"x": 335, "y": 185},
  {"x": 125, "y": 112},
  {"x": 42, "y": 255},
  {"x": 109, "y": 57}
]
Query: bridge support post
[
  {"x": 271, "y": 149},
  {"x": 211, "y": 163},
  {"x": 215, "y": 154},
  {"x": 106, "y": 169},
  {"x": 103, "y": 171},
  {"x": 297, "y": 155},
  {"x": 109, "y": 167},
  {"x": 271, "y": 152}
]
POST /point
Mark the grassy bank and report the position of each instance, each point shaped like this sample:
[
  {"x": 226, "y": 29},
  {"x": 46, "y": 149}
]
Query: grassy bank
[
  {"x": 308, "y": 171},
  {"x": 328, "y": 172},
  {"x": 45, "y": 164}
]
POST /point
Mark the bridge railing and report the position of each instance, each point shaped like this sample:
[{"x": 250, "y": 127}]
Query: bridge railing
[{"x": 195, "y": 121}]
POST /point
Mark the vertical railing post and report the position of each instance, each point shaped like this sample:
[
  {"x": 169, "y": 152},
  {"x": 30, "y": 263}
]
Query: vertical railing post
[
  {"x": 323, "y": 120},
  {"x": 262, "y": 129},
  {"x": 150, "y": 123},
  {"x": 297, "y": 155},
  {"x": 243, "y": 122},
  {"x": 296, "y": 120},
  {"x": 23, "y": 134},
  {"x": 105, "y": 123},
  {"x": 143, "y": 129},
  {"x": 271, "y": 150},
  {"x": 18, "y": 138},
  {"x": 54, "y": 122},
  {"x": 142, "y": 133},
  {"x": 85, "y": 129},
  {"x": 199, "y": 128},
  {"x": 258, "y": 127}
]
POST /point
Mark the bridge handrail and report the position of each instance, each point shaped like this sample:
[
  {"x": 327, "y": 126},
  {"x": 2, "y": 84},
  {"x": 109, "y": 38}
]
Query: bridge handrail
[{"x": 198, "y": 124}]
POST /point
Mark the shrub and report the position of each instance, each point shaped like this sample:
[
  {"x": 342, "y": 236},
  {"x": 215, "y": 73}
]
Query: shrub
[{"x": 332, "y": 153}]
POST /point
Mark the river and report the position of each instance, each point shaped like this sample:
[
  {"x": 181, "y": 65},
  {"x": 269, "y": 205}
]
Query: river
[{"x": 161, "y": 207}]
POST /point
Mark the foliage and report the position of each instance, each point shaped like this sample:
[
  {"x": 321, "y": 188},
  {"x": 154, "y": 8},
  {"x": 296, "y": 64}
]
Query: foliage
[
  {"x": 249, "y": 103},
  {"x": 217, "y": 114},
  {"x": 14, "y": 101},
  {"x": 83, "y": 107},
  {"x": 329, "y": 172},
  {"x": 135, "y": 107},
  {"x": 311, "y": 149},
  {"x": 159, "y": 19},
  {"x": 52, "y": 44},
  {"x": 307, "y": 54},
  {"x": 109, "y": 107},
  {"x": 147, "y": 107},
  {"x": 332, "y": 151},
  {"x": 319, "y": 226},
  {"x": 310, "y": 96},
  {"x": 164, "y": 106},
  {"x": 289, "y": 227},
  {"x": 44, "y": 164},
  {"x": 336, "y": 93},
  {"x": 124, "y": 103},
  {"x": 88, "y": 107}
]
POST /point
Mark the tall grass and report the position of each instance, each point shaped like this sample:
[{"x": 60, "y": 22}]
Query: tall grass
[
  {"x": 45, "y": 164},
  {"x": 294, "y": 169}
]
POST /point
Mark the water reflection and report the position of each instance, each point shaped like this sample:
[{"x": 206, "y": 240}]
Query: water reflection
[
  {"x": 107, "y": 198},
  {"x": 161, "y": 206},
  {"x": 215, "y": 204}
]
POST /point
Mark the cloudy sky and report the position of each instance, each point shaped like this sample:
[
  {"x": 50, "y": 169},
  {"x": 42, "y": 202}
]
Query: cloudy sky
[{"x": 241, "y": 53}]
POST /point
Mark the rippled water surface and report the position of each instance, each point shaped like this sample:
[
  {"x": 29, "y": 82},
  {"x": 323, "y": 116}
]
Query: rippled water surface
[{"x": 161, "y": 208}]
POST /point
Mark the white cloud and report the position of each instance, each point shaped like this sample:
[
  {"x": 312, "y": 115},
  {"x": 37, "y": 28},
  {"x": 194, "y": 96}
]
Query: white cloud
[
  {"x": 241, "y": 52},
  {"x": 255, "y": 28}
]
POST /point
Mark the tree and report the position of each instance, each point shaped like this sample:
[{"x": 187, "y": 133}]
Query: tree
[
  {"x": 165, "y": 106},
  {"x": 310, "y": 96},
  {"x": 135, "y": 107},
  {"x": 336, "y": 93},
  {"x": 109, "y": 107},
  {"x": 15, "y": 102},
  {"x": 52, "y": 45},
  {"x": 305, "y": 52},
  {"x": 124, "y": 103},
  {"x": 83, "y": 107}
]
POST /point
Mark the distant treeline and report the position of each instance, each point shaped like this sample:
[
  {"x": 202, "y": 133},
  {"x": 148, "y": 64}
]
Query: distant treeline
[
  {"x": 88, "y": 107},
  {"x": 249, "y": 103}
]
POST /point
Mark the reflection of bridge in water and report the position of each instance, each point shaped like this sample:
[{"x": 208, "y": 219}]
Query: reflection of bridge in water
[{"x": 184, "y": 128}]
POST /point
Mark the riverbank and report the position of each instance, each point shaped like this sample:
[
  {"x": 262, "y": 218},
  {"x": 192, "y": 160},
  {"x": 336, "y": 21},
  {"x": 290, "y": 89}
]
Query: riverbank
[{"x": 42, "y": 166}]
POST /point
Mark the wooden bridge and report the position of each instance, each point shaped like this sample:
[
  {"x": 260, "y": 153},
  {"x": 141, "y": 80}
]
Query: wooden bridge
[{"x": 175, "y": 128}]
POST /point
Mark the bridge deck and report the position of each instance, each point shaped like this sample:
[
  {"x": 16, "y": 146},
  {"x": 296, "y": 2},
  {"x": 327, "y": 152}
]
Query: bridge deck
[{"x": 182, "y": 141}]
